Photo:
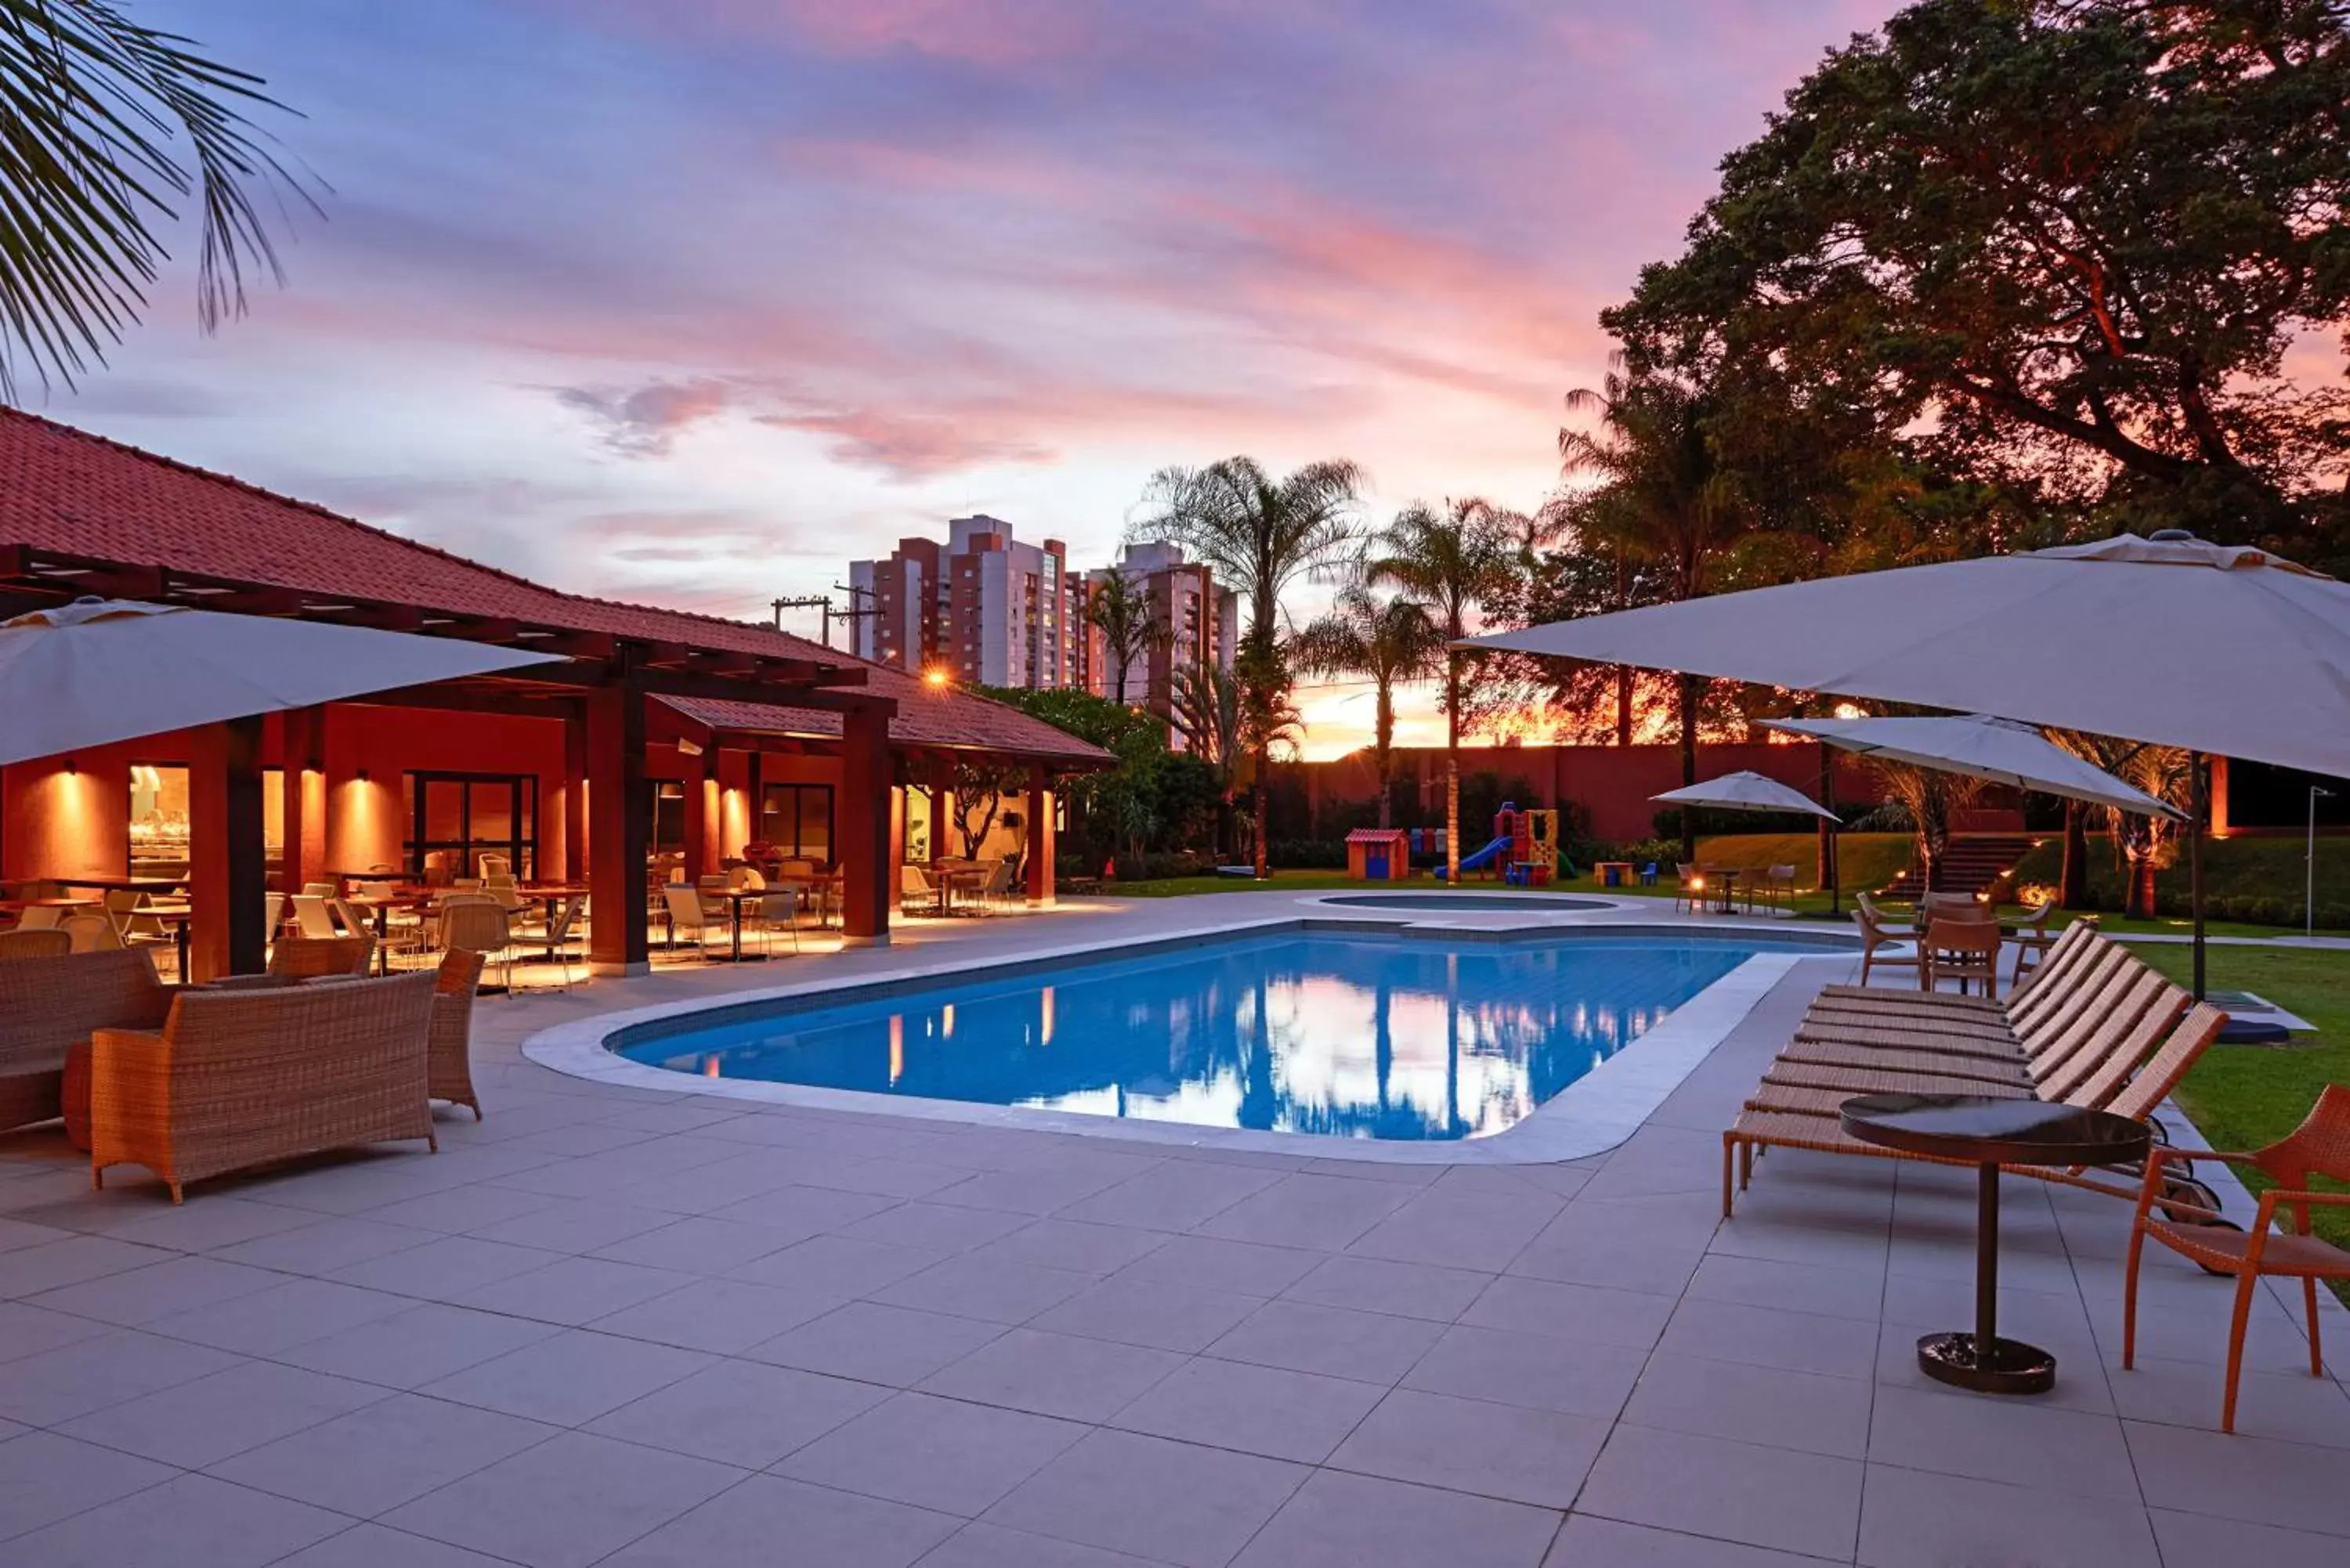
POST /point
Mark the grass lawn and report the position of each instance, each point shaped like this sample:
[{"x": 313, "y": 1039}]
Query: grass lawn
[{"x": 2242, "y": 1097}]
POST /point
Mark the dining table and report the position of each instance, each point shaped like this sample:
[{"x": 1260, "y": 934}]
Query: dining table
[
  {"x": 970, "y": 876},
  {"x": 1721, "y": 879}
]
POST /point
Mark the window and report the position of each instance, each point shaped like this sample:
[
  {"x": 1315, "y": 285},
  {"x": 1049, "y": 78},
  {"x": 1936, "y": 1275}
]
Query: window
[
  {"x": 464, "y": 816},
  {"x": 797, "y": 820}
]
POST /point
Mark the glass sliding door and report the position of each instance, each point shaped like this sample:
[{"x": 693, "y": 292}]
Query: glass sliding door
[
  {"x": 454, "y": 819},
  {"x": 797, "y": 820}
]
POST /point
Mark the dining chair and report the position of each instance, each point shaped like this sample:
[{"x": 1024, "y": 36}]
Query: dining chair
[
  {"x": 1962, "y": 950},
  {"x": 41, "y": 919},
  {"x": 91, "y": 931},
  {"x": 479, "y": 925},
  {"x": 311, "y": 916},
  {"x": 553, "y": 935},
  {"x": 1690, "y": 894},
  {"x": 915, "y": 891},
  {"x": 40, "y": 942},
  {"x": 1881, "y": 947},
  {"x": 318, "y": 889},
  {"x": 779, "y": 906},
  {"x": 2319, "y": 1146},
  {"x": 688, "y": 916},
  {"x": 2032, "y": 938}
]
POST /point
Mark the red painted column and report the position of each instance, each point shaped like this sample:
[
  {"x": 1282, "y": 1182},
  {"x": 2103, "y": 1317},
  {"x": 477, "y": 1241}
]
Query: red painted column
[
  {"x": 865, "y": 850},
  {"x": 227, "y": 870},
  {"x": 300, "y": 758},
  {"x": 619, "y": 832},
  {"x": 571, "y": 807},
  {"x": 712, "y": 797},
  {"x": 1039, "y": 873}
]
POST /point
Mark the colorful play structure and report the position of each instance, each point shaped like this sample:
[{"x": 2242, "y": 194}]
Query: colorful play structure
[
  {"x": 1525, "y": 851},
  {"x": 1378, "y": 855}
]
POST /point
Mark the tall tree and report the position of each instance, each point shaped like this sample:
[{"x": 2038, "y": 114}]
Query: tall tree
[
  {"x": 1672, "y": 503},
  {"x": 1456, "y": 560},
  {"x": 92, "y": 110},
  {"x": 1120, "y": 608},
  {"x": 1207, "y": 703},
  {"x": 1261, "y": 536},
  {"x": 2066, "y": 235},
  {"x": 1386, "y": 641}
]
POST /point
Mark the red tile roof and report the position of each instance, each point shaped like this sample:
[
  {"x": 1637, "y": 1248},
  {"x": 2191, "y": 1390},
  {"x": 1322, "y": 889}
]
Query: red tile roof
[{"x": 69, "y": 491}]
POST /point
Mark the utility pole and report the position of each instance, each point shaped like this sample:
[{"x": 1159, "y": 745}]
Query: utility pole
[{"x": 822, "y": 605}]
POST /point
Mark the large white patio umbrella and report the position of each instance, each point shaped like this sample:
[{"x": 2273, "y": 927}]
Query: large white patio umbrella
[
  {"x": 1744, "y": 791},
  {"x": 2168, "y": 640},
  {"x": 1999, "y": 749},
  {"x": 100, "y": 671}
]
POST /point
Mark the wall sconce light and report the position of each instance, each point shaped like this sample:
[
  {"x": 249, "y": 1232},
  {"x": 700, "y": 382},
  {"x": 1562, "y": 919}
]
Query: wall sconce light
[
  {"x": 689, "y": 748},
  {"x": 362, "y": 775}
]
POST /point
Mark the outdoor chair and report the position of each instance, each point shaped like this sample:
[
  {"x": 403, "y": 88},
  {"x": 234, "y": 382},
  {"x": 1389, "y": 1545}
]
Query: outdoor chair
[
  {"x": 493, "y": 867},
  {"x": 479, "y": 925},
  {"x": 1691, "y": 891},
  {"x": 297, "y": 959},
  {"x": 49, "y": 1005},
  {"x": 745, "y": 879},
  {"x": 311, "y": 916},
  {"x": 1648, "y": 875},
  {"x": 39, "y": 942},
  {"x": 916, "y": 893},
  {"x": 1003, "y": 884},
  {"x": 240, "y": 1078},
  {"x": 272, "y": 913},
  {"x": 450, "y": 1050},
  {"x": 1963, "y": 950},
  {"x": 1775, "y": 889},
  {"x": 2030, "y": 934},
  {"x": 39, "y": 919},
  {"x": 554, "y": 937},
  {"x": 2319, "y": 1146},
  {"x": 90, "y": 932},
  {"x": 1880, "y": 945},
  {"x": 778, "y": 906},
  {"x": 318, "y": 889},
  {"x": 689, "y": 916}
]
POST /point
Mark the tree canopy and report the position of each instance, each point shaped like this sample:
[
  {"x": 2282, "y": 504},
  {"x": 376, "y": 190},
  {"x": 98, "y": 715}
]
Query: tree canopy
[{"x": 2068, "y": 242}]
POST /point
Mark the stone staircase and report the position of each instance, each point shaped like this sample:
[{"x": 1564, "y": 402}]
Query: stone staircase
[{"x": 1975, "y": 861}]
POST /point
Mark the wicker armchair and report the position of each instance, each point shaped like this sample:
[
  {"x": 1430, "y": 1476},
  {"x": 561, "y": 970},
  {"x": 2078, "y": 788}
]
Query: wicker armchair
[
  {"x": 38, "y": 942},
  {"x": 241, "y": 1078},
  {"x": 48, "y": 1005},
  {"x": 452, "y": 1029},
  {"x": 316, "y": 958}
]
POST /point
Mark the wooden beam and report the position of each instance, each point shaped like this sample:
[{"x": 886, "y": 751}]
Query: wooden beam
[{"x": 864, "y": 851}]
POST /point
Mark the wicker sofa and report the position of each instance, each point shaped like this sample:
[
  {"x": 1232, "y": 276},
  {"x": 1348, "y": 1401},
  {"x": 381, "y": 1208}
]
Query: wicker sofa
[
  {"x": 49, "y": 1005},
  {"x": 241, "y": 1078}
]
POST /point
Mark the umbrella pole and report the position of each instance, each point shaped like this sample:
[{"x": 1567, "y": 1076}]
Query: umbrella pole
[
  {"x": 1831, "y": 828},
  {"x": 2198, "y": 793}
]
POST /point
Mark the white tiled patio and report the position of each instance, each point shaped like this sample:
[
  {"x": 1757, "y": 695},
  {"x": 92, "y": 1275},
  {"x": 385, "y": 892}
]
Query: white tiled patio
[{"x": 612, "y": 1325}]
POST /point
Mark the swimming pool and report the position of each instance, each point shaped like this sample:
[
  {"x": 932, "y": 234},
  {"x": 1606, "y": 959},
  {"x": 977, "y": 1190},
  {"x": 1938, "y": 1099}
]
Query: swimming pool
[{"x": 1417, "y": 1038}]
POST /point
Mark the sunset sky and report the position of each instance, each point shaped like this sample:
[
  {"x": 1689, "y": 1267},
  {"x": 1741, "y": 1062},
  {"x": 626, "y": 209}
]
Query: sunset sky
[{"x": 692, "y": 301}]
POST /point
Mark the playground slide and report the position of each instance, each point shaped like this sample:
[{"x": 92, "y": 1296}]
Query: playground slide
[{"x": 1478, "y": 861}]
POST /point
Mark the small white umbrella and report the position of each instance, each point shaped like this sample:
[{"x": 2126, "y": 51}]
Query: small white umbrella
[
  {"x": 98, "y": 672},
  {"x": 1744, "y": 791},
  {"x": 1999, "y": 749}
]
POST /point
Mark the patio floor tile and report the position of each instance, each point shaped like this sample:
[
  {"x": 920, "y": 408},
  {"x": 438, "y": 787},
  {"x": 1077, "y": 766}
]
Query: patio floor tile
[
  {"x": 877, "y": 1344},
  {"x": 1180, "y": 1195},
  {"x": 1242, "y": 1267},
  {"x": 982, "y": 1545},
  {"x": 1324, "y": 1213},
  {"x": 281, "y": 1317},
  {"x": 2256, "y": 1480},
  {"x": 740, "y": 1413},
  {"x": 444, "y": 1267},
  {"x": 1460, "y": 1230},
  {"x": 1588, "y": 1541},
  {"x": 697, "y": 1244},
  {"x": 1049, "y": 1374},
  {"x": 139, "y": 1296},
  {"x": 199, "y": 1423},
  {"x": 2040, "y": 1447},
  {"x": 1376, "y": 1347},
  {"x": 391, "y": 1452},
  {"x": 374, "y": 1546},
  {"x": 1265, "y": 1410},
  {"x": 987, "y": 1288},
  {"x": 2196, "y": 1538},
  {"x": 1379, "y": 1284},
  {"x": 569, "y": 1377},
  {"x": 811, "y": 1525},
  {"x": 1511, "y": 1451},
  {"x": 104, "y": 1369},
  {"x": 46, "y": 1477},
  {"x": 1355, "y": 1522},
  {"x": 572, "y": 1291},
  {"x": 55, "y": 1265},
  {"x": 1909, "y": 1518},
  {"x": 321, "y": 1246},
  {"x": 412, "y": 1348},
  {"x": 567, "y": 1502},
  {"x": 725, "y": 1316},
  {"x": 1595, "y": 1314},
  {"x": 940, "y": 1227},
  {"x": 1768, "y": 1336},
  {"x": 934, "y": 1453},
  {"x": 1806, "y": 1410},
  {"x": 1144, "y": 1496},
  {"x": 36, "y": 1331},
  {"x": 1790, "y": 1501},
  {"x": 574, "y": 1225},
  {"x": 838, "y": 1265},
  {"x": 1828, "y": 1289},
  {"x": 1136, "y": 1311},
  {"x": 1537, "y": 1371},
  {"x": 186, "y": 1520},
  {"x": 1075, "y": 1245}
]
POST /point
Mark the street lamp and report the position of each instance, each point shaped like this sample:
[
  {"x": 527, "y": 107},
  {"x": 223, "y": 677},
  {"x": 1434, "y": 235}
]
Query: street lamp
[{"x": 2309, "y": 898}]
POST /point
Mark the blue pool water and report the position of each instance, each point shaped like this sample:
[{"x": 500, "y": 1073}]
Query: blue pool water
[{"x": 1346, "y": 1036}]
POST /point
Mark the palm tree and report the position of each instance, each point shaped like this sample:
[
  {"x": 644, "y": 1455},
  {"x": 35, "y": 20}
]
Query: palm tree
[
  {"x": 1389, "y": 642},
  {"x": 91, "y": 107},
  {"x": 1261, "y": 535},
  {"x": 1454, "y": 561},
  {"x": 1207, "y": 714},
  {"x": 1673, "y": 506},
  {"x": 1269, "y": 722},
  {"x": 2143, "y": 845},
  {"x": 1130, "y": 625}
]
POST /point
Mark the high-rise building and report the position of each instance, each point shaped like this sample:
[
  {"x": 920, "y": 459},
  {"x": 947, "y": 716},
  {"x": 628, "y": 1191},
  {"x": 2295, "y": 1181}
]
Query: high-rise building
[
  {"x": 1202, "y": 622},
  {"x": 983, "y": 608}
]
